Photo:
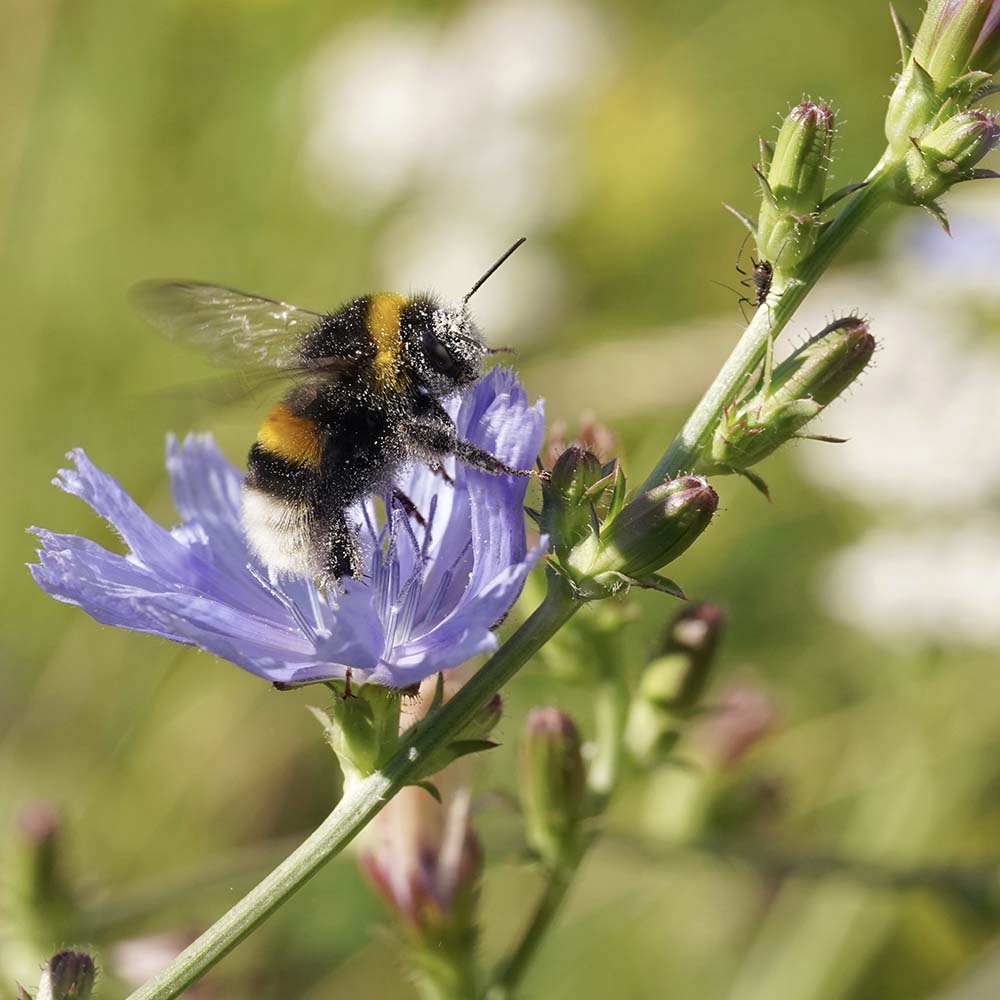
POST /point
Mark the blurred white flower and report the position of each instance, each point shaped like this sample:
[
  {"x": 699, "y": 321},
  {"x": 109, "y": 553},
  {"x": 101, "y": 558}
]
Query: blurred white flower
[
  {"x": 466, "y": 130},
  {"x": 928, "y": 408},
  {"x": 940, "y": 584}
]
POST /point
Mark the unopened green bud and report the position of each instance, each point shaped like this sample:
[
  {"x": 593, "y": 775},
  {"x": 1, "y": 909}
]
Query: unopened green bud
[
  {"x": 69, "y": 975},
  {"x": 951, "y": 60},
  {"x": 569, "y": 501},
  {"x": 795, "y": 184},
  {"x": 363, "y": 729},
  {"x": 948, "y": 36},
  {"x": 39, "y": 893},
  {"x": 800, "y": 387},
  {"x": 673, "y": 683},
  {"x": 651, "y": 531},
  {"x": 553, "y": 786},
  {"x": 947, "y": 155},
  {"x": 986, "y": 54}
]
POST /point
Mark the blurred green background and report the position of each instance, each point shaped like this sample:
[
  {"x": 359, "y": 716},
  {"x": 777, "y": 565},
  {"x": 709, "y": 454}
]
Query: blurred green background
[{"x": 313, "y": 151}]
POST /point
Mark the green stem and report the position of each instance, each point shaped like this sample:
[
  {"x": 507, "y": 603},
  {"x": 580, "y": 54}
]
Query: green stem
[
  {"x": 603, "y": 777},
  {"x": 610, "y": 714},
  {"x": 512, "y": 971},
  {"x": 770, "y": 319},
  {"x": 363, "y": 801}
]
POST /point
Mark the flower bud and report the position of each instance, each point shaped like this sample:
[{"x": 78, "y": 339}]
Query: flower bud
[
  {"x": 651, "y": 531},
  {"x": 800, "y": 387},
  {"x": 741, "y": 716},
  {"x": 986, "y": 54},
  {"x": 426, "y": 864},
  {"x": 69, "y": 975},
  {"x": 39, "y": 893},
  {"x": 568, "y": 500},
  {"x": 553, "y": 787},
  {"x": 947, "y": 155},
  {"x": 795, "y": 185},
  {"x": 673, "y": 683},
  {"x": 949, "y": 34},
  {"x": 363, "y": 729},
  {"x": 952, "y": 57}
]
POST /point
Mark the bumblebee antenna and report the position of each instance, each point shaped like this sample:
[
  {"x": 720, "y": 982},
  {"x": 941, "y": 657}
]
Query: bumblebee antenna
[{"x": 479, "y": 284}]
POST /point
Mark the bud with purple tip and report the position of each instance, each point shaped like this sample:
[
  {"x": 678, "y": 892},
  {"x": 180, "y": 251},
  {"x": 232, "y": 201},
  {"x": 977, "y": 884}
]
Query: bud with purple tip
[
  {"x": 793, "y": 184},
  {"x": 672, "y": 684},
  {"x": 553, "y": 786},
  {"x": 68, "y": 975},
  {"x": 779, "y": 407}
]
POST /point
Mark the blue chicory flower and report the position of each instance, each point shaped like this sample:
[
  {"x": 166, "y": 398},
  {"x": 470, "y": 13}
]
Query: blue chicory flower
[{"x": 429, "y": 599}]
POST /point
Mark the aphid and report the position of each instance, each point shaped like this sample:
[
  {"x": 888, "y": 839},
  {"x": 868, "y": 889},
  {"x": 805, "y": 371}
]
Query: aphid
[
  {"x": 367, "y": 385},
  {"x": 760, "y": 279}
]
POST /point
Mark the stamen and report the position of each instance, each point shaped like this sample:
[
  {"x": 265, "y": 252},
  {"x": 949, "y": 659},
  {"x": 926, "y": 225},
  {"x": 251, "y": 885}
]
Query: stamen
[
  {"x": 425, "y": 548},
  {"x": 286, "y": 602},
  {"x": 407, "y": 604},
  {"x": 316, "y": 606}
]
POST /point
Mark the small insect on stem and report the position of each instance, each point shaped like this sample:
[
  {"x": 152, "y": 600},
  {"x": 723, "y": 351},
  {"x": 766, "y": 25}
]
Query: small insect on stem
[{"x": 759, "y": 280}]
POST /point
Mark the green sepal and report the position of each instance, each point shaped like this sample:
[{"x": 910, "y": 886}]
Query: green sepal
[
  {"x": 618, "y": 494},
  {"x": 766, "y": 194},
  {"x": 903, "y": 33},
  {"x": 746, "y": 220},
  {"x": 966, "y": 87},
  {"x": 430, "y": 788},
  {"x": 652, "y": 582},
  {"x": 938, "y": 214},
  {"x": 840, "y": 194},
  {"x": 766, "y": 151}
]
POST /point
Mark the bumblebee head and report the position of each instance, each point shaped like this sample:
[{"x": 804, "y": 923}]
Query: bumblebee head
[{"x": 445, "y": 344}]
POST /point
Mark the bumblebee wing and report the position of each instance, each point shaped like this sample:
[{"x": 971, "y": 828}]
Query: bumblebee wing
[{"x": 230, "y": 327}]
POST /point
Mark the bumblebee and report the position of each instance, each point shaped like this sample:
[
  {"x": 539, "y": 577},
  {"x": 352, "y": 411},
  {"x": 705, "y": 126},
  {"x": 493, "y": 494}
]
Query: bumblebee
[{"x": 367, "y": 384}]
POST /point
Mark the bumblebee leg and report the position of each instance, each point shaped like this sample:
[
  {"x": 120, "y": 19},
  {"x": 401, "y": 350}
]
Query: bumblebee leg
[
  {"x": 409, "y": 507},
  {"x": 435, "y": 437},
  {"x": 439, "y": 470},
  {"x": 477, "y": 458},
  {"x": 340, "y": 547}
]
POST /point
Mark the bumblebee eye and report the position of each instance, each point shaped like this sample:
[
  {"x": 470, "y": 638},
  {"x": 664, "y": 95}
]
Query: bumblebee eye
[{"x": 438, "y": 356}]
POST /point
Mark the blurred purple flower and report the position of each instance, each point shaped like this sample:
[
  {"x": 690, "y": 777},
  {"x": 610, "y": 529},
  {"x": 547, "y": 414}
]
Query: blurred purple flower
[{"x": 430, "y": 596}]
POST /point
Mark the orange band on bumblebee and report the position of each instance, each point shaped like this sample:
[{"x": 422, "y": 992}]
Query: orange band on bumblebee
[{"x": 295, "y": 439}]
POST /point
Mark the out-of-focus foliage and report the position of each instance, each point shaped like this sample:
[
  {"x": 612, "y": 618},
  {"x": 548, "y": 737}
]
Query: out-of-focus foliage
[{"x": 315, "y": 151}]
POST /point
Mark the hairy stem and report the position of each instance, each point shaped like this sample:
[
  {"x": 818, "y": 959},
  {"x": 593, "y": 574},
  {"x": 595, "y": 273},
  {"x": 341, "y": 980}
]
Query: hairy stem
[
  {"x": 768, "y": 321},
  {"x": 363, "y": 801}
]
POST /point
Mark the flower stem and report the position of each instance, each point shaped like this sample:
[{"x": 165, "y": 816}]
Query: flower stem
[
  {"x": 364, "y": 800},
  {"x": 603, "y": 778},
  {"x": 511, "y": 972},
  {"x": 768, "y": 321}
]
